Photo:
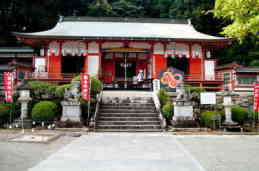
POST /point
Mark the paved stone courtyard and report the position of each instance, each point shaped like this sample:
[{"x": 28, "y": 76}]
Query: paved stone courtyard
[{"x": 127, "y": 151}]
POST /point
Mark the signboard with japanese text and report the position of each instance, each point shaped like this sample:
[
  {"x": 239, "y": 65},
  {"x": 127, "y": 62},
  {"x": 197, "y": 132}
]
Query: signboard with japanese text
[
  {"x": 256, "y": 97},
  {"x": 85, "y": 86},
  {"x": 8, "y": 86},
  {"x": 208, "y": 98}
]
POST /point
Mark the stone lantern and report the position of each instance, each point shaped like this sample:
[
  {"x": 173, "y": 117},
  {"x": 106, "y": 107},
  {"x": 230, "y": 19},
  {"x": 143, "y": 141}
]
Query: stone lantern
[
  {"x": 227, "y": 103},
  {"x": 24, "y": 98}
]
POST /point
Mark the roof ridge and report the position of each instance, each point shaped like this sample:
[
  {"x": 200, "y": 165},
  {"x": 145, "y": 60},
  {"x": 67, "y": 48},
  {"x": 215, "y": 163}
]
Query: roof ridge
[{"x": 126, "y": 20}]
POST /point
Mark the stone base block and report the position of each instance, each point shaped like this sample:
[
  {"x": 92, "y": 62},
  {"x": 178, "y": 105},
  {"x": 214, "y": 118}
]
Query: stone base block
[{"x": 181, "y": 112}]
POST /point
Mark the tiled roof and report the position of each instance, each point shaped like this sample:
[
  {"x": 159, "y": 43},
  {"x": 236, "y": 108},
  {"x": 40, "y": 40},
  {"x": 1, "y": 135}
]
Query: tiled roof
[{"x": 123, "y": 29}]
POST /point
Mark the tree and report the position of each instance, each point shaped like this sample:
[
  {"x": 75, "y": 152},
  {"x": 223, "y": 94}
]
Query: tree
[
  {"x": 124, "y": 8},
  {"x": 244, "y": 15},
  {"x": 100, "y": 8}
]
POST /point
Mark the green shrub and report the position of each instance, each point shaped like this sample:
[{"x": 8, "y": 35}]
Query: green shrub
[
  {"x": 40, "y": 88},
  {"x": 44, "y": 111},
  {"x": 77, "y": 78},
  {"x": 239, "y": 114},
  {"x": 96, "y": 84},
  {"x": 253, "y": 116},
  {"x": 60, "y": 90},
  {"x": 4, "y": 113},
  {"x": 193, "y": 89},
  {"x": 168, "y": 111},
  {"x": 162, "y": 95},
  {"x": 207, "y": 118}
]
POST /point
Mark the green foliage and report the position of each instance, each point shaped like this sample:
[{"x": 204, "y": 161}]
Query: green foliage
[
  {"x": 168, "y": 111},
  {"x": 163, "y": 97},
  {"x": 241, "y": 53},
  {"x": 40, "y": 89},
  {"x": 125, "y": 8},
  {"x": 96, "y": 84},
  {"x": 207, "y": 118},
  {"x": 77, "y": 78},
  {"x": 100, "y": 8},
  {"x": 4, "y": 113},
  {"x": 253, "y": 116},
  {"x": 44, "y": 111},
  {"x": 244, "y": 15},
  {"x": 254, "y": 63},
  {"x": 60, "y": 90},
  {"x": 194, "y": 89},
  {"x": 239, "y": 114}
]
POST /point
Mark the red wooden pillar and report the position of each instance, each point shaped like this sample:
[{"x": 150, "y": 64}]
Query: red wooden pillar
[
  {"x": 55, "y": 64},
  {"x": 159, "y": 60},
  {"x": 85, "y": 69}
]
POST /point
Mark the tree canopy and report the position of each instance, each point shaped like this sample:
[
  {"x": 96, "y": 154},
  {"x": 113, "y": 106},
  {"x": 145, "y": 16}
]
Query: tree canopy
[{"x": 244, "y": 15}]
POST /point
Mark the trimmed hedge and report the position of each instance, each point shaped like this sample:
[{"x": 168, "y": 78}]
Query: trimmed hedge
[
  {"x": 4, "y": 113},
  {"x": 163, "y": 98},
  {"x": 44, "y": 111},
  {"x": 40, "y": 89},
  {"x": 239, "y": 114},
  {"x": 168, "y": 110},
  {"x": 207, "y": 118},
  {"x": 60, "y": 90}
]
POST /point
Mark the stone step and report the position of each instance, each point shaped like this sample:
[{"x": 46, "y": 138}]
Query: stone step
[
  {"x": 128, "y": 118},
  {"x": 129, "y": 107},
  {"x": 127, "y": 104},
  {"x": 127, "y": 110},
  {"x": 128, "y": 130},
  {"x": 128, "y": 126},
  {"x": 128, "y": 123},
  {"x": 128, "y": 115}
]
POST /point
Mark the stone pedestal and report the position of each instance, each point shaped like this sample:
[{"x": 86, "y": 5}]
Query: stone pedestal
[
  {"x": 183, "y": 110},
  {"x": 71, "y": 111}
]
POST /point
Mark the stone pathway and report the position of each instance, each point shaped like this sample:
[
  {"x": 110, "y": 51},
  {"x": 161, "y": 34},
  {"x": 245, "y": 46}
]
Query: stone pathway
[{"x": 121, "y": 152}]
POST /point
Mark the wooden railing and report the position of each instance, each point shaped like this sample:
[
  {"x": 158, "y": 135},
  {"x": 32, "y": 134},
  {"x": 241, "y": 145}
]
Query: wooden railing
[
  {"x": 199, "y": 77},
  {"x": 51, "y": 77}
]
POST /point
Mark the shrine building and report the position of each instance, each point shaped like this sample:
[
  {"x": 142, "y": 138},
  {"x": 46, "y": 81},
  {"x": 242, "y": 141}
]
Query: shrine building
[{"x": 117, "y": 49}]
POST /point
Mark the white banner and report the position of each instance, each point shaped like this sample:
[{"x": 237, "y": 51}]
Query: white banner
[{"x": 209, "y": 70}]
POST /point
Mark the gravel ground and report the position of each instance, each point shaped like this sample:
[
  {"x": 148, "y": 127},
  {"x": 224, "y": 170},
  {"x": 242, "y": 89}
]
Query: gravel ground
[
  {"x": 224, "y": 153},
  {"x": 22, "y": 156}
]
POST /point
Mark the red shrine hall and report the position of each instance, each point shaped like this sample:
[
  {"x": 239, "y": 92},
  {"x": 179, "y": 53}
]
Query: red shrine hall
[{"x": 117, "y": 49}]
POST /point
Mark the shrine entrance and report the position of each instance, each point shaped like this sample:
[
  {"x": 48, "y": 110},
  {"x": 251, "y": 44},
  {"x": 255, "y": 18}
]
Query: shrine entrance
[
  {"x": 72, "y": 64},
  {"x": 181, "y": 64},
  {"x": 120, "y": 68}
]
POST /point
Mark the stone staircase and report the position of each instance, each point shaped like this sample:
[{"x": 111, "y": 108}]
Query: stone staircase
[{"x": 128, "y": 112}]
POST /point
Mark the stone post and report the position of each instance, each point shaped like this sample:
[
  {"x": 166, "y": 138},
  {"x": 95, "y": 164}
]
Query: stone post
[
  {"x": 227, "y": 103},
  {"x": 24, "y": 98}
]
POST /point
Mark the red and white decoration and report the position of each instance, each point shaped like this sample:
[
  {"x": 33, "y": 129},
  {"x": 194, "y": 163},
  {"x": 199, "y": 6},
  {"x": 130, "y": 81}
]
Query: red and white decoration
[
  {"x": 196, "y": 51},
  {"x": 74, "y": 48},
  {"x": 54, "y": 48},
  {"x": 8, "y": 86},
  {"x": 85, "y": 86},
  {"x": 256, "y": 97}
]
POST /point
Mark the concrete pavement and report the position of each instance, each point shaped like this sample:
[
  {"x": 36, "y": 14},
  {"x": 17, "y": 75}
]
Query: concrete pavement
[{"x": 122, "y": 152}]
